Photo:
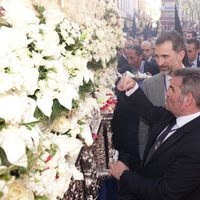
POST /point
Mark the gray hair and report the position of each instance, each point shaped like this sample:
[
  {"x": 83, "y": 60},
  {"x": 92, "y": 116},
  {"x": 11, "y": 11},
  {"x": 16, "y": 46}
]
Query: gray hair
[{"x": 190, "y": 82}]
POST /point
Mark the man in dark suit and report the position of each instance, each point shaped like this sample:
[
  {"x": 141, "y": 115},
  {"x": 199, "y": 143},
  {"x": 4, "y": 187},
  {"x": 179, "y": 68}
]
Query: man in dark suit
[
  {"x": 136, "y": 62},
  {"x": 123, "y": 60},
  {"x": 192, "y": 47},
  {"x": 125, "y": 122},
  {"x": 170, "y": 171}
]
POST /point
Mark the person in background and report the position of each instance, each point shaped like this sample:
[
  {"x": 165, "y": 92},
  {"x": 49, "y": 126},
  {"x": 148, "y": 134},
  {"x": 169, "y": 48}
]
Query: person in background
[
  {"x": 146, "y": 48},
  {"x": 122, "y": 60},
  {"x": 153, "y": 46},
  {"x": 169, "y": 54},
  {"x": 190, "y": 35},
  {"x": 125, "y": 121},
  {"x": 171, "y": 166},
  {"x": 136, "y": 62},
  {"x": 136, "y": 41},
  {"x": 192, "y": 47}
]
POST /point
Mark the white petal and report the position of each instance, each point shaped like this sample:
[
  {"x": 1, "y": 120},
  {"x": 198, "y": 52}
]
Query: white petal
[
  {"x": 45, "y": 104},
  {"x": 14, "y": 148}
]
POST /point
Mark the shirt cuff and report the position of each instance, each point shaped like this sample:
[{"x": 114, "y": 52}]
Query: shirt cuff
[{"x": 132, "y": 90}]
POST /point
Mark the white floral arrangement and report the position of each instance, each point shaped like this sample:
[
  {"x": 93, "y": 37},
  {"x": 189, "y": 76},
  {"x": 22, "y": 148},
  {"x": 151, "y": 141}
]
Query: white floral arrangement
[{"x": 46, "y": 92}]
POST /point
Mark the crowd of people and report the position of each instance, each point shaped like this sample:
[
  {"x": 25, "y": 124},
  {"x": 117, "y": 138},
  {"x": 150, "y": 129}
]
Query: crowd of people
[{"x": 158, "y": 159}]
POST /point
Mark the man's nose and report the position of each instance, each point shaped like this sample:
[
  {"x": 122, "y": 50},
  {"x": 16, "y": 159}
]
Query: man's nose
[{"x": 160, "y": 62}]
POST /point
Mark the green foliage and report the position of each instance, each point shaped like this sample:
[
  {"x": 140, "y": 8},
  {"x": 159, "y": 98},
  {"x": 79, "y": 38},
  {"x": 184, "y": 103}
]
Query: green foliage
[
  {"x": 3, "y": 158},
  {"x": 40, "y": 10},
  {"x": 86, "y": 88},
  {"x": 1, "y": 194},
  {"x": 10, "y": 169},
  {"x": 94, "y": 65},
  {"x": 32, "y": 158},
  {"x": 42, "y": 72},
  {"x": 53, "y": 149},
  {"x": 2, "y": 123},
  {"x": 38, "y": 114},
  {"x": 41, "y": 197},
  {"x": 30, "y": 125},
  {"x": 79, "y": 41},
  {"x": 57, "y": 109}
]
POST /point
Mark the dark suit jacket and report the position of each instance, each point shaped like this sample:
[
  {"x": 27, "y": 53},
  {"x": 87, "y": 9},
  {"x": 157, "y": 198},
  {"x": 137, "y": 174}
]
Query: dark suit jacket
[
  {"x": 173, "y": 171},
  {"x": 198, "y": 61},
  {"x": 121, "y": 62},
  {"x": 124, "y": 127},
  {"x": 150, "y": 67}
]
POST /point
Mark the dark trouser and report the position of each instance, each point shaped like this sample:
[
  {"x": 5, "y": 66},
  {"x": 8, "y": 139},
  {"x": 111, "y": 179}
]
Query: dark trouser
[{"x": 109, "y": 190}]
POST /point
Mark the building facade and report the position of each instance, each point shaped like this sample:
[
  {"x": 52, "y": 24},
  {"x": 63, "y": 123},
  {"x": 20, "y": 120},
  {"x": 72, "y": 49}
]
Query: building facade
[
  {"x": 128, "y": 9},
  {"x": 167, "y": 18}
]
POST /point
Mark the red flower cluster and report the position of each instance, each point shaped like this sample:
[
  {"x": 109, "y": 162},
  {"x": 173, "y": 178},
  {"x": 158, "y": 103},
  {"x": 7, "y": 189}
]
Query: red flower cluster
[{"x": 109, "y": 105}]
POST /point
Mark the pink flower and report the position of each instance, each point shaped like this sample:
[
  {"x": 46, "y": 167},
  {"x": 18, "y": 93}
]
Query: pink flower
[{"x": 48, "y": 158}]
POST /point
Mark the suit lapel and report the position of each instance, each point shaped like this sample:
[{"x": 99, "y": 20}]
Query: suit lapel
[
  {"x": 168, "y": 143},
  {"x": 187, "y": 128},
  {"x": 154, "y": 134}
]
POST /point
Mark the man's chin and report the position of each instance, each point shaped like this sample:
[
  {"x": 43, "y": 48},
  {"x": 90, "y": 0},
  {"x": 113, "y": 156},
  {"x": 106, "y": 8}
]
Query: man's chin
[{"x": 165, "y": 72}]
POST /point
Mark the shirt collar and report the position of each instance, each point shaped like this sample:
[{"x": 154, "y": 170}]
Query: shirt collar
[
  {"x": 181, "y": 121},
  {"x": 139, "y": 69}
]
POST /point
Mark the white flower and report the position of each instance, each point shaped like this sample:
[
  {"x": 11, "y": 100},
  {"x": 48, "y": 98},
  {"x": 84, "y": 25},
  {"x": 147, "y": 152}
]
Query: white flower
[
  {"x": 19, "y": 14},
  {"x": 77, "y": 175},
  {"x": 17, "y": 154},
  {"x": 66, "y": 95},
  {"x": 40, "y": 63},
  {"x": 45, "y": 103},
  {"x": 4, "y": 188},
  {"x": 86, "y": 134},
  {"x": 18, "y": 191},
  {"x": 17, "y": 108},
  {"x": 12, "y": 39},
  {"x": 61, "y": 124},
  {"x": 20, "y": 138},
  {"x": 30, "y": 80},
  {"x": 53, "y": 17}
]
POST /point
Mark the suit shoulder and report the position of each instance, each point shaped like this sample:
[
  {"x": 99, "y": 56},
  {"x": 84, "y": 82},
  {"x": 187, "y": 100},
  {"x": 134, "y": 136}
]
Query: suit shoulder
[{"x": 153, "y": 78}]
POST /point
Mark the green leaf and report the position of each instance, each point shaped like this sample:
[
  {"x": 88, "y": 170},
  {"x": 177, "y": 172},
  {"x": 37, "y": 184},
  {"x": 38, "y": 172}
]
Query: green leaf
[
  {"x": 1, "y": 194},
  {"x": 38, "y": 114},
  {"x": 3, "y": 157},
  {"x": 30, "y": 125},
  {"x": 57, "y": 109},
  {"x": 40, "y": 10},
  {"x": 41, "y": 197},
  {"x": 86, "y": 88},
  {"x": 2, "y": 123}
]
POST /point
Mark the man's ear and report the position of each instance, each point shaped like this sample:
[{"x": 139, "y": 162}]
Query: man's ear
[
  {"x": 181, "y": 55},
  {"x": 188, "y": 99}
]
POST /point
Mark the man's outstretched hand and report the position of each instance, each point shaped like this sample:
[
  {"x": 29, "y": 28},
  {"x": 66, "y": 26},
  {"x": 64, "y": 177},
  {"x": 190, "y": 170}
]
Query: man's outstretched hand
[{"x": 126, "y": 83}]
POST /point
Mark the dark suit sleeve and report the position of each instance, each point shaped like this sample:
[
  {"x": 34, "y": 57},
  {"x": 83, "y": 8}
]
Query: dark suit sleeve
[{"x": 152, "y": 114}]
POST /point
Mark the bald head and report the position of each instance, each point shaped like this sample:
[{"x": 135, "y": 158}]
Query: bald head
[{"x": 146, "y": 48}]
